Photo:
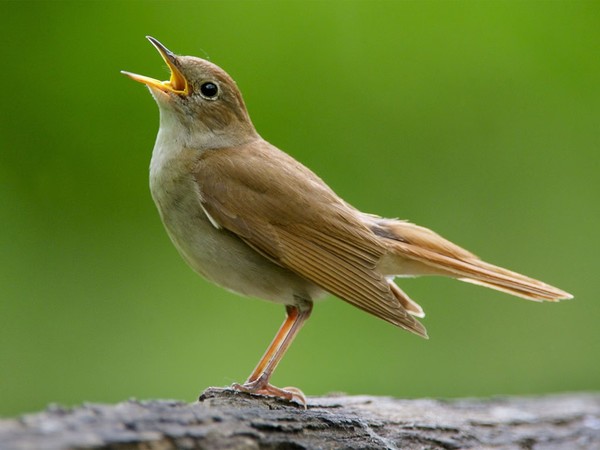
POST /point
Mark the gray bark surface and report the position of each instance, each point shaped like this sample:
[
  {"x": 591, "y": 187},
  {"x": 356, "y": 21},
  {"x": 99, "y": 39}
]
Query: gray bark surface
[{"x": 224, "y": 419}]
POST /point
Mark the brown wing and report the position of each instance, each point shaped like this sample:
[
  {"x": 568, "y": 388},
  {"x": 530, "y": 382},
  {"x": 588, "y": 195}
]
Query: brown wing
[{"x": 312, "y": 232}]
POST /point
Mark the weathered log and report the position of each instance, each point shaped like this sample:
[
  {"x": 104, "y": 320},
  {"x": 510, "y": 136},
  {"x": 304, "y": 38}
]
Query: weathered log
[{"x": 224, "y": 419}]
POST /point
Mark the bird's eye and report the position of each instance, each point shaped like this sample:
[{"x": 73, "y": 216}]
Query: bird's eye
[{"x": 209, "y": 90}]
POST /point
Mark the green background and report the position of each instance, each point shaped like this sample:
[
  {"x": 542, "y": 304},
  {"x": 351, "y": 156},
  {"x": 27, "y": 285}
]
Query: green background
[{"x": 480, "y": 120}]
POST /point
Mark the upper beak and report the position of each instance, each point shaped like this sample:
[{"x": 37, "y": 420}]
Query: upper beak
[{"x": 177, "y": 84}]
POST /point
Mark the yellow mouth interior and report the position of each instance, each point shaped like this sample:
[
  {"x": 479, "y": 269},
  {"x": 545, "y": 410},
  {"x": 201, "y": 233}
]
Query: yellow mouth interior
[{"x": 177, "y": 84}]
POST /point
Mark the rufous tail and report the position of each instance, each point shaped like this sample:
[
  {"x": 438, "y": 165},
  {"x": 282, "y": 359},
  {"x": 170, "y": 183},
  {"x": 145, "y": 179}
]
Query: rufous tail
[{"x": 412, "y": 242}]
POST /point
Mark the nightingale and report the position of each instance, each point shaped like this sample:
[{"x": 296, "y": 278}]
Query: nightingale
[{"x": 252, "y": 219}]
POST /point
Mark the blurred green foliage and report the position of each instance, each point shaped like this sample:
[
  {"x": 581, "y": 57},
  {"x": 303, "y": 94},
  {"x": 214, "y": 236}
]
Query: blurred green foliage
[{"x": 479, "y": 120}]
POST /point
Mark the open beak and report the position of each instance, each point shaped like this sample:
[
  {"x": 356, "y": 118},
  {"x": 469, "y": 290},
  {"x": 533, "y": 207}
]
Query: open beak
[{"x": 176, "y": 85}]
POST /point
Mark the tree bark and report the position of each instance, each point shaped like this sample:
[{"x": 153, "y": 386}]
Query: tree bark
[{"x": 225, "y": 419}]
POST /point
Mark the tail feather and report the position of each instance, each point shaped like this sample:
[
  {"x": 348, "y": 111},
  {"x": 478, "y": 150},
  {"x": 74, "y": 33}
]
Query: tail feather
[
  {"x": 479, "y": 272},
  {"x": 412, "y": 307},
  {"x": 416, "y": 243},
  {"x": 510, "y": 291}
]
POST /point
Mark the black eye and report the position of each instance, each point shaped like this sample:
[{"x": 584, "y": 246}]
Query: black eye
[{"x": 209, "y": 90}]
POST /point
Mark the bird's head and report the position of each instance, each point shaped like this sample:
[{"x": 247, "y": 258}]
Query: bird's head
[{"x": 201, "y": 98}]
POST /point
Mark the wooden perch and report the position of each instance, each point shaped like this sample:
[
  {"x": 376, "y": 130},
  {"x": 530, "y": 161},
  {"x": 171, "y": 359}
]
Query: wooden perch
[{"x": 224, "y": 419}]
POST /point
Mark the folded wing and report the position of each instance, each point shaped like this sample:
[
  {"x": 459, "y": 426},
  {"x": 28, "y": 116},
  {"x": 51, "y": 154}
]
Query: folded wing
[{"x": 313, "y": 233}]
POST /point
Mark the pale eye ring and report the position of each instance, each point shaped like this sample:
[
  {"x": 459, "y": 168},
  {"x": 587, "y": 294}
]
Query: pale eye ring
[{"x": 209, "y": 90}]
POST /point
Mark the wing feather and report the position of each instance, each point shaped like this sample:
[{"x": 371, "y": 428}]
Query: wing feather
[{"x": 314, "y": 233}]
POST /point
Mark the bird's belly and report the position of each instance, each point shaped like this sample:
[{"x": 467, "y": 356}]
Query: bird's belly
[{"x": 222, "y": 257}]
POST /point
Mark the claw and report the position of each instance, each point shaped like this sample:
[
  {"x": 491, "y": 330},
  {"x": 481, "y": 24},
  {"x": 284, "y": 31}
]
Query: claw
[
  {"x": 290, "y": 394},
  {"x": 297, "y": 395}
]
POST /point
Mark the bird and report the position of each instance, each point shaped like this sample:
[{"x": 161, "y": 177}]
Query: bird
[{"x": 252, "y": 219}]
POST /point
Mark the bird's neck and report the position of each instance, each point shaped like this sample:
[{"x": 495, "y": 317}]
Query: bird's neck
[{"x": 195, "y": 134}]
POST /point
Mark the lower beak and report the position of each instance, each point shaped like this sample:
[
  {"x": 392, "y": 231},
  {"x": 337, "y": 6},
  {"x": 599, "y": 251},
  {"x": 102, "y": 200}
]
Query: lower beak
[{"x": 177, "y": 84}]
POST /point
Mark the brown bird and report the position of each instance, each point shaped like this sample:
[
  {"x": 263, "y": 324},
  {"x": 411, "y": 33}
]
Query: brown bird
[{"x": 252, "y": 219}]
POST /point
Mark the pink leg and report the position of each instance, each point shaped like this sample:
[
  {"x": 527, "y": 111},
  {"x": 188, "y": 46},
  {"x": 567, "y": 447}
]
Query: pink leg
[{"x": 258, "y": 382}]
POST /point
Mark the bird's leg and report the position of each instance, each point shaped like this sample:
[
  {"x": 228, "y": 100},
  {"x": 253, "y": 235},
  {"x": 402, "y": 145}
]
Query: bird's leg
[{"x": 258, "y": 382}]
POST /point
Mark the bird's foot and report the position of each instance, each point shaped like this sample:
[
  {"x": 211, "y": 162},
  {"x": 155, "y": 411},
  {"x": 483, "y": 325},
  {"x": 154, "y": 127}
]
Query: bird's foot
[{"x": 259, "y": 387}]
